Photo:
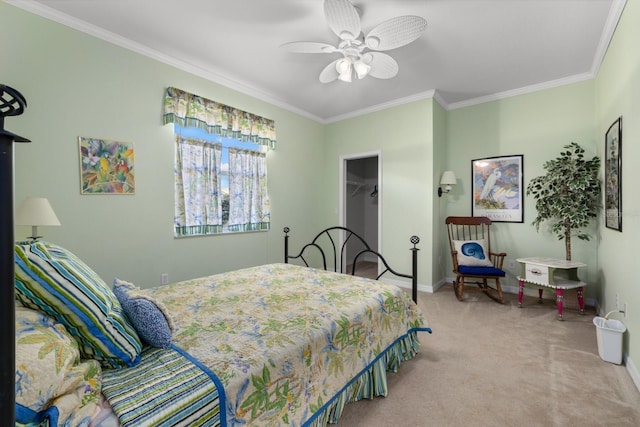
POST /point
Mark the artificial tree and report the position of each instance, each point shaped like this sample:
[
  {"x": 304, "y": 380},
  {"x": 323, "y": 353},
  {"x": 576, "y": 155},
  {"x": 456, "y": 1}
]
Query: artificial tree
[{"x": 568, "y": 195}]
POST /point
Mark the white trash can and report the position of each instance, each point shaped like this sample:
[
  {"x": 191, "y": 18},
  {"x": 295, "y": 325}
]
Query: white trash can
[{"x": 609, "y": 334}]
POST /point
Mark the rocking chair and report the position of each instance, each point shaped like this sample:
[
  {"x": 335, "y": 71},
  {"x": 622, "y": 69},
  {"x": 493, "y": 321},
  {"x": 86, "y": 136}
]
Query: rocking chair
[{"x": 473, "y": 260}]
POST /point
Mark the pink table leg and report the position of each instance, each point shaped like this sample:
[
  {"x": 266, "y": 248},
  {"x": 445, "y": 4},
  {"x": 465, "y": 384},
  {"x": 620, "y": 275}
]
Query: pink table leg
[
  {"x": 559, "y": 301},
  {"x": 581, "y": 300},
  {"x": 520, "y": 292}
]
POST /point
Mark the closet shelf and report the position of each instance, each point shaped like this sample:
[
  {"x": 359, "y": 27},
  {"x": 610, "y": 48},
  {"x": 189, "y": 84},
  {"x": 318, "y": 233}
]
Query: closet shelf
[
  {"x": 356, "y": 184},
  {"x": 359, "y": 185}
]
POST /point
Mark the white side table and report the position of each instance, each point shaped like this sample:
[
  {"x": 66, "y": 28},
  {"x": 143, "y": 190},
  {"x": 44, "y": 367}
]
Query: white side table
[{"x": 552, "y": 273}]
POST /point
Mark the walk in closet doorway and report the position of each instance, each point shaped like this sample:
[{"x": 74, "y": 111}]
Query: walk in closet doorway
[{"x": 362, "y": 206}]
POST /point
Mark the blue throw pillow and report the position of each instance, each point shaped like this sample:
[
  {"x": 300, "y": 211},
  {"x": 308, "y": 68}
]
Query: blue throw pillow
[{"x": 148, "y": 317}]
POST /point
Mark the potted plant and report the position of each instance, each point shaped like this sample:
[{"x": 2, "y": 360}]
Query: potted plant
[{"x": 568, "y": 195}]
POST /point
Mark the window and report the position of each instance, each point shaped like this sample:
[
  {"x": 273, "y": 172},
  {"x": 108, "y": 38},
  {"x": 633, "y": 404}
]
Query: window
[
  {"x": 220, "y": 166},
  {"x": 220, "y": 184}
]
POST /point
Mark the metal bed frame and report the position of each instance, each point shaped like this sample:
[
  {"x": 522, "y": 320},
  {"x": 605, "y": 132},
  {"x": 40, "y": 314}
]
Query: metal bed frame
[{"x": 334, "y": 235}]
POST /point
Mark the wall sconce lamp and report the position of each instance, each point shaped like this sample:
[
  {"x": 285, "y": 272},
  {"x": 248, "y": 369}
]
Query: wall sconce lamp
[
  {"x": 448, "y": 179},
  {"x": 35, "y": 211}
]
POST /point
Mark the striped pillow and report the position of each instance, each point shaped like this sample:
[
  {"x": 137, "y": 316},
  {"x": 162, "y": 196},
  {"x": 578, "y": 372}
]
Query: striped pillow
[{"x": 53, "y": 280}]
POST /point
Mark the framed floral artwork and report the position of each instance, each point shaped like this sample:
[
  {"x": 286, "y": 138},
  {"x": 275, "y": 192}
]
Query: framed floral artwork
[
  {"x": 613, "y": 176},
  {"x": 497, "y": 188},
  {"x": 106, "y": 167}
]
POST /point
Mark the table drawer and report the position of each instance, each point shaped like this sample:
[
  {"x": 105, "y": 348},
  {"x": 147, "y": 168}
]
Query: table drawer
[{"x": 537, "y": 273}]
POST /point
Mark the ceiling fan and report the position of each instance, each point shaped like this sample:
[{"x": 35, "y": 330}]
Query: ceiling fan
[{"x": 361, "y": 54}]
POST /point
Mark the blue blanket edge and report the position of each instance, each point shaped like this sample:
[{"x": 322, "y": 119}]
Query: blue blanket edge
[{"x": 221, "y": 392}]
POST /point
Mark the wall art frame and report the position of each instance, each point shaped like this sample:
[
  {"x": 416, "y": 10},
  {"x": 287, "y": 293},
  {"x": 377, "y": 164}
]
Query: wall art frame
[
  {"x": 613, "y": 176},
  {"x": 106, "y": 166},
  {"x": 497, "y": 188}
]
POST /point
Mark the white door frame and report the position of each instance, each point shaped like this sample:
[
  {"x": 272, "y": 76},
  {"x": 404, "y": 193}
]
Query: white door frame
[{"x": 342, "y": 193}]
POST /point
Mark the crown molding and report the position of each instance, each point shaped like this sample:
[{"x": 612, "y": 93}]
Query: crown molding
[
  {"x": 611, "y": 24},
  {"x": 213, "y": 76},
  {"x": 394, "y": 103},
  {"x": 521, "y": 91}
]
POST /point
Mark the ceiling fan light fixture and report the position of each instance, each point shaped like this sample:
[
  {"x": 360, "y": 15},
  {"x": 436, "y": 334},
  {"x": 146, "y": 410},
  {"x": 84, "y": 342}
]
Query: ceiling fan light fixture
[
  {"x": 345, "y": 77},
  {"x": 361, "y": 69},
  {"x": 343, "y": 65},
  {"x": 344, "y": 20},
  {"x": 345, "y": 69}
]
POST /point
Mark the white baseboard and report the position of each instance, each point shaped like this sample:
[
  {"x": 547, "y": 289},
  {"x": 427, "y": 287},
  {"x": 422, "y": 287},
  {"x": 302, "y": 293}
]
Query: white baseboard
[
  {"x": 407, "y": 285},
  {"x": 633, "y": 371}
]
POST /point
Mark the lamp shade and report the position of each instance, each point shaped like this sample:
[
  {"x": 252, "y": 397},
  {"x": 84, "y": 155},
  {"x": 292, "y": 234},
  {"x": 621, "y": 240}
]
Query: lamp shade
[
  {"x": 35, "y": 211},
  {"x": 448, "y": 178}
]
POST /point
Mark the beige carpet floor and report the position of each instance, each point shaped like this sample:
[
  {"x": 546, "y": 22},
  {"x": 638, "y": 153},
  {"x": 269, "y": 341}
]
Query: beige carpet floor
[{"x": 488, "y": 364}]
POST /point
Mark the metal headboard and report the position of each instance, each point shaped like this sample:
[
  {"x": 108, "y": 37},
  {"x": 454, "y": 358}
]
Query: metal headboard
[{"x": 331, "y": 236}]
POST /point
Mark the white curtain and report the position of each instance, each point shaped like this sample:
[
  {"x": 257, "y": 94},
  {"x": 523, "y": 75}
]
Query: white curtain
[
  {"x": 198, "y": 202},
  {"x": 248, "y": 199}
]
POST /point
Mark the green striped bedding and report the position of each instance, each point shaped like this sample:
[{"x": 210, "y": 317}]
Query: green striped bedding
[
  {"x": 53, "y": 280},
  {"x": 164, "y": 389}
]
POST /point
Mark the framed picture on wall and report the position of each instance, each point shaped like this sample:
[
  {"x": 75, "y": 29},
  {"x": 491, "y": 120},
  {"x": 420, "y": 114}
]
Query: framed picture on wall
[
  {"x": 497, "y": 188},
  {"x": 613, "y": 176},
  {"x": 106, "y": 167}
]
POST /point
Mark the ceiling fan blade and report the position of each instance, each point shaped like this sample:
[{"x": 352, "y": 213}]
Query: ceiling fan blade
[
  {"x": 382, "y": 65},
  {"x": 308, "y": 47},
  {"x": 330, "y": 72},
  {"x": 343, "y": 18},
  {"x": 395, "y": 32}
]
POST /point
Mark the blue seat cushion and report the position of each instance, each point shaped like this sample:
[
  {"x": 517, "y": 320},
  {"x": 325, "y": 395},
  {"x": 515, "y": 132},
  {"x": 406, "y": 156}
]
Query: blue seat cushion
[{"x": 480, "y": 271}]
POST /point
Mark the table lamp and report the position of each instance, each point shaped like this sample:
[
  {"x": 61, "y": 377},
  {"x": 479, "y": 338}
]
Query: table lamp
[{"x": 35, "y": 211}]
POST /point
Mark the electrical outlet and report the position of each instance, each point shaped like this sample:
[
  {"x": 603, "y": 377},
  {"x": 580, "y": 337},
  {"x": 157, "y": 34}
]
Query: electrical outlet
[
  {"x": 512, "y": 264},
  {"x": 164, "y": 279}
]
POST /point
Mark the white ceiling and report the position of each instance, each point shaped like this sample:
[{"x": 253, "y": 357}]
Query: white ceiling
[{"x": 472, "y": 50}]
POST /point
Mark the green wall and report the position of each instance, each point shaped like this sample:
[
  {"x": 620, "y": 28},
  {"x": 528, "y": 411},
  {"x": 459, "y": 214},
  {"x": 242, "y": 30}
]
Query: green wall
[
  {"x": 77, "y": 85},
  {"x": 536, "y": 125},
  {"x": 403, "y": 135},
  {"x": 439, "y": 245},
  {"x": 618, "y": 94}
]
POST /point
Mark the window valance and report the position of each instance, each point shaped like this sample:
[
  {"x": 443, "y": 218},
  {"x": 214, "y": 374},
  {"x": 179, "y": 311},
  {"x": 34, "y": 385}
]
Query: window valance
[{"x": 189, "y": 110}]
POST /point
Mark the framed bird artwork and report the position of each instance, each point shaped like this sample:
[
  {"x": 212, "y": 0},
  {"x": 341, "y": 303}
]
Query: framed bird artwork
[
  {"x": 497, "y": 188},
  {"x": 106, "y": 167}
]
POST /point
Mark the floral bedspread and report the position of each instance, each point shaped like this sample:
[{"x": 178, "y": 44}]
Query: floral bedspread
[
  {"x": 285, "y": 340},
  {"x": 53, "y": 386}
]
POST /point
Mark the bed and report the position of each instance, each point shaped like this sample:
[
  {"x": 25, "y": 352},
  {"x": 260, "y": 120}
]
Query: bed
[{"x": 279, "y": 344}]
